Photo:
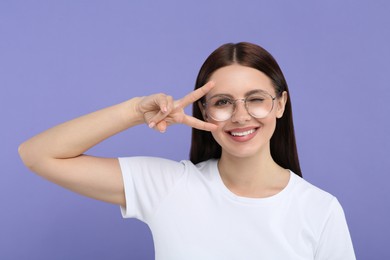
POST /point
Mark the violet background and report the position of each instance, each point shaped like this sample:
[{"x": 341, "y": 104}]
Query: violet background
[{"x": 61, "y": 59}]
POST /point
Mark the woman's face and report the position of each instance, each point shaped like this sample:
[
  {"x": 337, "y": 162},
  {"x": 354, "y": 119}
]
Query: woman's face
[{"x": 243, "y": 135}]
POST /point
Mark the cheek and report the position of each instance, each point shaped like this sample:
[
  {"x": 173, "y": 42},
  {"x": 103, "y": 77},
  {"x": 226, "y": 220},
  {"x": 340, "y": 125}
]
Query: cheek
[
  {"x": 268, "y": 125},
  {"x": 218, "y": 135}
]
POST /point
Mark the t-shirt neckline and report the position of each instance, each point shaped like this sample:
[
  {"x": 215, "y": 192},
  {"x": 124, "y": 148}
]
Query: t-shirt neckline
[{"x": 247, "y": 200}]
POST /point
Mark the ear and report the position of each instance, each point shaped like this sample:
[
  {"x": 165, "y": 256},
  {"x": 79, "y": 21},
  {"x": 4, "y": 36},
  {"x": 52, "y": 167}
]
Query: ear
[
  {"x": 281, "y": 104},
  {"x": 201, "y": 107}
]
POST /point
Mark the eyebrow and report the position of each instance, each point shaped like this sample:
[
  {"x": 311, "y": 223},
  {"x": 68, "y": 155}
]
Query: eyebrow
[{"x": 251, "y": 92}]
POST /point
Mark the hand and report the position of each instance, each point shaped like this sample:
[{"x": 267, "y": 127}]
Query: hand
[{"x": 160, "y": 111}]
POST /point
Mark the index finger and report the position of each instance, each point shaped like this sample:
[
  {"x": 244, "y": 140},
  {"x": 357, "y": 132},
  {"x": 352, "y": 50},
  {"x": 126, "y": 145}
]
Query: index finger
[
  {"x": 195, "y": 95},
  {"x": 199, "y": 124}
]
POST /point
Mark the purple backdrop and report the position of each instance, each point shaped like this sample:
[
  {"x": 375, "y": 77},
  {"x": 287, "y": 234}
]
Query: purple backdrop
[{"x": 61, "y": 59}]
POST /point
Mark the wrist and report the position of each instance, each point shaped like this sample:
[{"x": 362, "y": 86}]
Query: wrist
[{"x": 131, "y": 113}]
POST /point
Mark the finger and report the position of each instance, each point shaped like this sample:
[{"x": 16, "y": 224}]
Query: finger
[
  {"x": 161, "y": 126},
  {"x": 164, "y": 102},
  {"x": 166, "y": 106},
  {"x": 199, "y": 124},
  {"x": 195, "y": 95}
]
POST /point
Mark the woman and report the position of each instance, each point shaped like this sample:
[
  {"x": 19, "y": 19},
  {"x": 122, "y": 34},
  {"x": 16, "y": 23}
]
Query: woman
[{"x": 240, "y": 197}]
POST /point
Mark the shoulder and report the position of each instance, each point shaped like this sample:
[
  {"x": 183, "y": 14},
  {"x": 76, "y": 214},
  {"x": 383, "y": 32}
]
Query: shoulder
[
  {"x": 155, "y": 166},
  {"x": 150, "y": 169},
  {"x": 324, "y": 215},
  {"x": 204, "y": 167},
  {"x": 317, "y": 203},
  {"x": 145, "y": 163},
  {"x": 309, "y": 192},
  {"x": 146, "y": 160},
  {"x": 162, "y": 164}
]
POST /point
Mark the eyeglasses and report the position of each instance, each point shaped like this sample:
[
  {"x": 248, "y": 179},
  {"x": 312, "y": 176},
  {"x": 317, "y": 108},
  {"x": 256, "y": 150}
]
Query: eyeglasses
[{"x": 221, "y": 107}]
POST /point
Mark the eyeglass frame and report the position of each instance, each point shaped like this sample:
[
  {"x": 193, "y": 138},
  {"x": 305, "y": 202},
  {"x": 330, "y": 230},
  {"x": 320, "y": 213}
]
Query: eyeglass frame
[{"x": 244, "y": 100}]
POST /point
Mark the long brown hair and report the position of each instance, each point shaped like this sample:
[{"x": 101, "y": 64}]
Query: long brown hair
[{"x": 283, "y": 145}]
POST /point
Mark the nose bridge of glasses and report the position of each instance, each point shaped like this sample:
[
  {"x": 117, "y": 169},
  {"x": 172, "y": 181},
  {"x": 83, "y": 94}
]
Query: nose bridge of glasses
[
  {"x": 235, "y": 106},
  {"x": 242, "y": 100}
]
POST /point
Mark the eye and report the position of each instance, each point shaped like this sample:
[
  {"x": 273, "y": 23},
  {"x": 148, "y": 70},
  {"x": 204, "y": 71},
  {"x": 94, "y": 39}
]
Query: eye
[
  {"x": 221, "y": 102},
  {"x": 256, "y": 99}
]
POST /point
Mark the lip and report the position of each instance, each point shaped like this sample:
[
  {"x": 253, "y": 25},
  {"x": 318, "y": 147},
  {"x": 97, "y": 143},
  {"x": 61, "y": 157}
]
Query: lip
[{"x": 243, "y": 134}]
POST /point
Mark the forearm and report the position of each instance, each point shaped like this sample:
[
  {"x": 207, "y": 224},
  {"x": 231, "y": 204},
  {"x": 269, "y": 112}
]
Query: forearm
[
  {"x": 57, "y": 153},
  {"x": 74, "y": 137}
]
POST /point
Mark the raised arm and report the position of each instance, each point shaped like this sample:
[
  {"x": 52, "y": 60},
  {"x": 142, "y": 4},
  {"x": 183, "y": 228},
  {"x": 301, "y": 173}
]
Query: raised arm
[{"x": 57, "y": 154}]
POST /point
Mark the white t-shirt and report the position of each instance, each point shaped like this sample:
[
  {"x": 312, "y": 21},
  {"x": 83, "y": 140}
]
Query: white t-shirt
[{"x": 193, "y": 215}]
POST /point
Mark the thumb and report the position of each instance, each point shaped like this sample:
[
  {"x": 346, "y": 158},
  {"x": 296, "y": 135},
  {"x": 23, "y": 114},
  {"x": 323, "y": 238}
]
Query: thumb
[{"x": 161, "y": 126}]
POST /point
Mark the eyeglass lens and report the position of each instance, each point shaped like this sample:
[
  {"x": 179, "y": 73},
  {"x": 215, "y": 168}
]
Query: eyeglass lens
[{"x": 221, "y": 108}]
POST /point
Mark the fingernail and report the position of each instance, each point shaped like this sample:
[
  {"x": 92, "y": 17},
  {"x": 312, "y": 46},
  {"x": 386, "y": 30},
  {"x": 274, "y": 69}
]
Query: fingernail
[{"x": 152, "y": 124}]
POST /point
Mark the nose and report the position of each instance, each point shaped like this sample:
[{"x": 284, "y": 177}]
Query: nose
[{"x": 240, "y": 113}]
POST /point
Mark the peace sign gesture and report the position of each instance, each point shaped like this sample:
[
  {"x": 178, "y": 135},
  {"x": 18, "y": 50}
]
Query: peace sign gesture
[
  {"x": 58, "y": 153},
  {"x": 160, "y": 111}
]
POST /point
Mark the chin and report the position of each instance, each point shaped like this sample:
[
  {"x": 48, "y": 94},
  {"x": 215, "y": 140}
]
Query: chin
[{"x": 242, "y": 154}]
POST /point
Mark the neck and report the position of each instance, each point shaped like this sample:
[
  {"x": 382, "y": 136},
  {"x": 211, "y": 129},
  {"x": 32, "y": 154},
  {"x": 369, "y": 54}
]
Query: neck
[{"x": 256, "y": 176}]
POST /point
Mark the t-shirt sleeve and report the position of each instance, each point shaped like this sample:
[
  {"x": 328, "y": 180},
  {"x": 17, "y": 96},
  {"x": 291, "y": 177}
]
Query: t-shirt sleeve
[
  {"x": 335, "y": 241},
  {"x": 147, "y": 181}
]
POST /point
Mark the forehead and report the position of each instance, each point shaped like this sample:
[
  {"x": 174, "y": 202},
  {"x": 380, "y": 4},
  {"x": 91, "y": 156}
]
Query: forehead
[{"x": 237, "y": 80}]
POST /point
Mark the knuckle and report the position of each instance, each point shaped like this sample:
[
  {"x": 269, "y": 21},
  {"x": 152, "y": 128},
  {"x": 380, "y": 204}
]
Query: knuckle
[{"x": 161, "y": 95}]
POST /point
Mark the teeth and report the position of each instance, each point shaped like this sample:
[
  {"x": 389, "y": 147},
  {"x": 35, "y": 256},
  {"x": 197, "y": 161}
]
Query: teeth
[{"x": 242, "y": 133}]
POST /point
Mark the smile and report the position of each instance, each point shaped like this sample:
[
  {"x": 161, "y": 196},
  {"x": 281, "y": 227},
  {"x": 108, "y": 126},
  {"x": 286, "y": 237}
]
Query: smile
[{"x": 243, "y": 133}]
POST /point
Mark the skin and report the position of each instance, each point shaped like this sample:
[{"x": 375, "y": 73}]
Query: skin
[
  {"x": 250, "y": 156},
  {"x": 57, "y": 154}
]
